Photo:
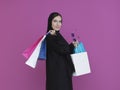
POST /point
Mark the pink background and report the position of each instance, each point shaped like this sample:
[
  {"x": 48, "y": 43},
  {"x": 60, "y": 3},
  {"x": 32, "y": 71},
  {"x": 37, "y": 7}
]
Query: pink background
[{"x": 97, "y": 22}]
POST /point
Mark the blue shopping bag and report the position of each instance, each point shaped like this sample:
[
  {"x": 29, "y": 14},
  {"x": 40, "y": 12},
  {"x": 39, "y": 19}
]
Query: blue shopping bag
[
  {"x": 42, "y": 53},
  {"x": 79, "y": 48}
]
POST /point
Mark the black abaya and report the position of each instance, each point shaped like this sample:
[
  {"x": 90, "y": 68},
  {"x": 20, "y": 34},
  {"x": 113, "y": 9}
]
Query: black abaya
[{"x": 59, "y": 66}]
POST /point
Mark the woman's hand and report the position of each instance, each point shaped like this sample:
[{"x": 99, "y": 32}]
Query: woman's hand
[
  {"x": 52, "y": 32},
  {"x": 75, "y": 43}
]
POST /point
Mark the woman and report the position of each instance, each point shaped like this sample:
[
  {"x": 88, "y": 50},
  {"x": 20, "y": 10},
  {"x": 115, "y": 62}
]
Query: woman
[{"x": 59, "y": 66}]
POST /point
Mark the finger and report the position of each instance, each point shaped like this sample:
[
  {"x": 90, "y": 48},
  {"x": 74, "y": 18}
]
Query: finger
[{"x": 52, "y": 32}]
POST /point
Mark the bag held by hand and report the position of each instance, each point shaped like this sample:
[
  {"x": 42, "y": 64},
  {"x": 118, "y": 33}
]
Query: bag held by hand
[{"x": 80, "y": 61}]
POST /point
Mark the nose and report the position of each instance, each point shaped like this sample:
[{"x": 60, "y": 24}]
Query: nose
[{"x": 58, "y": 23}]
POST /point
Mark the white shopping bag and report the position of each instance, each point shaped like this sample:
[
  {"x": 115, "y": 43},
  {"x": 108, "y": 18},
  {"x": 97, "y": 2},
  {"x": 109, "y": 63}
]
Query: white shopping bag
[
  {"x": 32, "y": 60},
  {"x": 81, "y": 63}
]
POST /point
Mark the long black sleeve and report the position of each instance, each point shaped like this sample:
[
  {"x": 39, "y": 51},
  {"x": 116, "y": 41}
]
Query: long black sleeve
[
  {"x": 71, "y": 46},
  {"x": 58, "y": 46}
]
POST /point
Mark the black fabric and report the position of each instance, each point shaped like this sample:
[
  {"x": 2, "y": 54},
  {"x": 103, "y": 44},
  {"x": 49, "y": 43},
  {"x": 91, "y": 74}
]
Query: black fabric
[{"x": 59, "y": 66}]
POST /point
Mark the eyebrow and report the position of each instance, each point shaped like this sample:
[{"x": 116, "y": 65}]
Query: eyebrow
[{"x": 58, "y": 20}]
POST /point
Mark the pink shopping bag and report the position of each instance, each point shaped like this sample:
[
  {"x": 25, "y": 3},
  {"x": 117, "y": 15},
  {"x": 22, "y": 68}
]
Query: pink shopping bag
[{"x": 27, "y": 52}]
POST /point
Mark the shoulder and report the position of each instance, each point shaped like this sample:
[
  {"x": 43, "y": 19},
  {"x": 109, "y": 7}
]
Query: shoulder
[{"x": 50, "y": 37}]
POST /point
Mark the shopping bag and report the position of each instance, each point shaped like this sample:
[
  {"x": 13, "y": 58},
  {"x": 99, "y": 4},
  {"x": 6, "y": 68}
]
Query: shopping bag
[
  {"x": 81, "y": 63},
  {"x": 27, "y": 52},
  {"x": 79, "y": 48},
  {"x": 32, "y": 60},
  {"x": 42, "y": 53}
]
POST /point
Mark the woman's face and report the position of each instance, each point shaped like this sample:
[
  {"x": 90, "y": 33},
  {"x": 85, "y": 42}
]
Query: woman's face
[{"x": 57, "y": 23}]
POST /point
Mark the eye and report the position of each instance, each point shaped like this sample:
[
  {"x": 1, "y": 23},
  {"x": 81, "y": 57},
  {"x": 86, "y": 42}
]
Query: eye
[
  {"x": 60, "y": 21},
  {"x": 55, "y": 20}
]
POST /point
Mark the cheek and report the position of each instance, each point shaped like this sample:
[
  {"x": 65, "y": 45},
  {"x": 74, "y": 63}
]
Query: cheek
[
  {"x": 54, "y": 24},
  {"x": 60, "y": 24}
]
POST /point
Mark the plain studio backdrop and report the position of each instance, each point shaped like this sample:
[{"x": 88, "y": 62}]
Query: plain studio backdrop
[{"x": 96, "y": 22}]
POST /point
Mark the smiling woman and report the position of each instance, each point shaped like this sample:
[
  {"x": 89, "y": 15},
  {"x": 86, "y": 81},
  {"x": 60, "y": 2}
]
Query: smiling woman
[
  {"x": 56, "y": 24},
  {"x": 59, "y": 65}
]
